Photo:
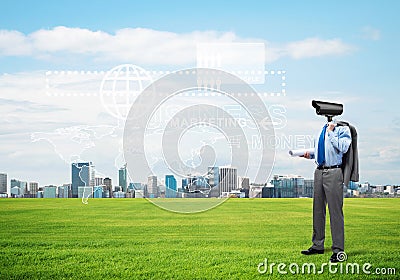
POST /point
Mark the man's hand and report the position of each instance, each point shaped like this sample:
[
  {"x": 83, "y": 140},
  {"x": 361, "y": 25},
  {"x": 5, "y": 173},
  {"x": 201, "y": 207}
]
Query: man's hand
[
  {"x": 331, "y": 126},
  {"x": 307, "y": 155}
]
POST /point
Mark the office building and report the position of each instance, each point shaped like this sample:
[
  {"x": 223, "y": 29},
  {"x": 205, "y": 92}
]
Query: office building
[
  {"x": 15, "y": 192},
  {"x": 170, "y": 182},
  {"x": 85, "y": 192},
  {"x": 3, "y": 183},
  {"x": 98, "y": 181},
  {"x": 139, "y": 194},
  {"x": 122, "y": 178},
  {"x": 108, "y": 187},
  {"x": 119, "y": 194},
  {"x": 288, "y": 186},
  {"x": 33, "y": 188},
  {"x": 243, "y": 183},
  {"x": 21, "y": 185},
  {"x": 98, "y": 192},
  {"x": 82, "y": 176},
  {"x": 50, "y": 191},
  {"x": 308, "y": 190},
  {"x": 64, "y": 191},
  {"x": 244, "y": 186},
  {"x": 267, "y": 191},
  {"x": 227, "y": 180},
  {"x": 152, "y": 189},
  {"x": 171, "y": 187},
  {"x": 213, "y": 181}
]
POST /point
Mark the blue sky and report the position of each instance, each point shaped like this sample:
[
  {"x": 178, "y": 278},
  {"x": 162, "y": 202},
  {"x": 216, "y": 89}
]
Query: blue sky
[{"x": 340, "y": 51}]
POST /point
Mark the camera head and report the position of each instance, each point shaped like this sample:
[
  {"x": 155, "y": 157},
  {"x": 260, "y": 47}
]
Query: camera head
[{"x": 327, "y": 109}]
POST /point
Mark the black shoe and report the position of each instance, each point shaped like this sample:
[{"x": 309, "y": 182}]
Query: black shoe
[
  {"x": 334, "y": 258},
  {"x": 312, "y": 251},
  {"x": 338, "y": 257}
]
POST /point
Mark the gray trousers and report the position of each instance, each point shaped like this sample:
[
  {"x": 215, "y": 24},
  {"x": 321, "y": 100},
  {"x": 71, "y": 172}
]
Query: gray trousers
[{"x": 328, "y": 188}]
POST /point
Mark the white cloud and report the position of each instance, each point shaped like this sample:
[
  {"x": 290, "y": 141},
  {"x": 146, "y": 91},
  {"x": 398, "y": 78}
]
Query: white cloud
[
  {"x": 315, "y": 47},
  {"x": 74, "y": 40},
  {"x": 14, "y": 43},
  {"x": 148, "y": 46}
]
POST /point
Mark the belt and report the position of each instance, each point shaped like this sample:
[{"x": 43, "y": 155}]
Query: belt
[{"x": 329, "y": 167}]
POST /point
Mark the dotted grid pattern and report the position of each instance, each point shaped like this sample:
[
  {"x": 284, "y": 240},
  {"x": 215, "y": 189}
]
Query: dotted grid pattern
[{"x": 158, "y": 74}]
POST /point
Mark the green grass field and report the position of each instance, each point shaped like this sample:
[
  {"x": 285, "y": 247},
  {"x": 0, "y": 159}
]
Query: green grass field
[{"x": 133, "y": 239}]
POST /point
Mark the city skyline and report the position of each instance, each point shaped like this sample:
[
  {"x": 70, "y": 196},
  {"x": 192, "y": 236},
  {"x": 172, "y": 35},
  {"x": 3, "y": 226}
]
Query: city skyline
[{"x": 83, "y": 174}]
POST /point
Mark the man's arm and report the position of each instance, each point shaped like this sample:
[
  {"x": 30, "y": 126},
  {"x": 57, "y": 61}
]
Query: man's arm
[{"x": 342, "y": 140}]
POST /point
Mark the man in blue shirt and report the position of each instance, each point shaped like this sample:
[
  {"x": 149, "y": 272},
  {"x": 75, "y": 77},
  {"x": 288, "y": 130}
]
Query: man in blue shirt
[{"x": 331, "y": 144}]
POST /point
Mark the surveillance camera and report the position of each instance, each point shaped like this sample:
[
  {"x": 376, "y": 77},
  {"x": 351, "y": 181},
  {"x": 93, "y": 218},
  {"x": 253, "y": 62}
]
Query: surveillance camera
[{"x": 327, "y": 109}]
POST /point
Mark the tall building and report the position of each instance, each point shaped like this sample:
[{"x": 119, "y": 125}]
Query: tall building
[
  {"x": 152, "y": 189},
  {"x": 108, "y": 187},
  {"x": 171, "y": 188},
  {"x": 20, "y": 184},
  {"x": 227, "y": 180},
  {"x": 213, "y": 180},
  {"x": 122, "y": 178},
  {"x": 98, "y": 181},
  {"x": 3, "y": 183},
  {"x": 33, "y": 188},
  {"x": 170, "y": 182},
  {"x": 82, "y": 176}
]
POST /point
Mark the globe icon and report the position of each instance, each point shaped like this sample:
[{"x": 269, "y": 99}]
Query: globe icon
[{"x": 120, "y": 87}]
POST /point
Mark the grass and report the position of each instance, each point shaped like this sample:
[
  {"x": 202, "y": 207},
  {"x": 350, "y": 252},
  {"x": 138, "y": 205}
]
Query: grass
[{"x": 133, "y": 239}]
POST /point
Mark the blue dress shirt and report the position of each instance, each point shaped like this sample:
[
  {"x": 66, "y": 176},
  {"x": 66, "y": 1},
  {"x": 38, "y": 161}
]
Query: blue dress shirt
[{"x": 337, "y": 142}]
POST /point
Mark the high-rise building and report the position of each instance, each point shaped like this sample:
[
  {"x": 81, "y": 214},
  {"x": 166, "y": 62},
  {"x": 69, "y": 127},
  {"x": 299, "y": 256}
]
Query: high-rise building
[
  {"x": 108, "y": 187},
  {"x": 33, "y": 188},
  {"x": 98, "y": 181},
  {"x": 122, "y": 178},
  {"x": 3, "y": 183},
  {"x": 20, "y": 184},
  {"x": 213, "y": 180},
  {"x": 171, "y": 188},
  {"x": 227, "y": 180},
  {"x": 82, "y": 176},
  {"x": 152, "y": 189},
  {"x": 170, "y": 182}
]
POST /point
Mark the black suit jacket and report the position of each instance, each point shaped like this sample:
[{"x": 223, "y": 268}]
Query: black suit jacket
[{"x": 350, "y": 159}]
